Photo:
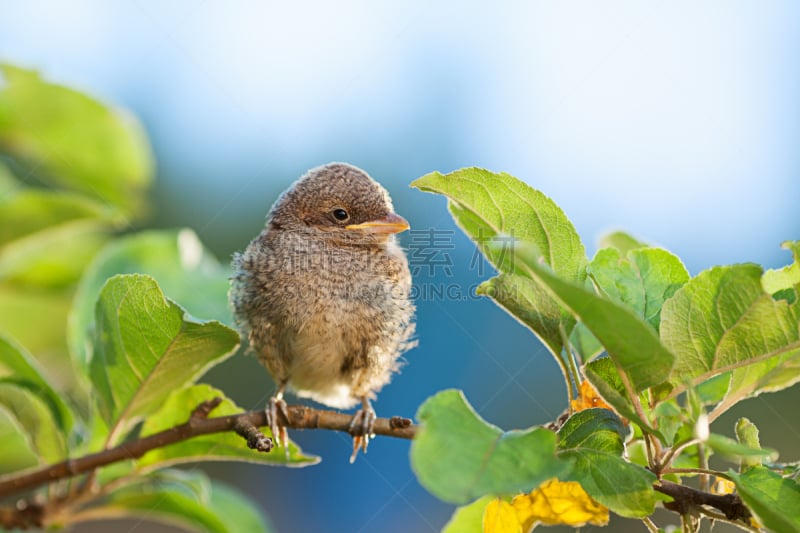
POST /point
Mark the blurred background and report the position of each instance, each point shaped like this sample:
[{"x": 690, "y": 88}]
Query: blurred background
[{"x": 678, "y": 122}]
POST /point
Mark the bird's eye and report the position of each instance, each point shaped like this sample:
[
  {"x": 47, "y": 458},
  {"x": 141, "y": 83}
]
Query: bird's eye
[{"x": 340, "y": 214}]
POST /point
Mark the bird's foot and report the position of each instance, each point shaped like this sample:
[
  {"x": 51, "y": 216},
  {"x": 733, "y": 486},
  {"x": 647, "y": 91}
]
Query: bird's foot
[
  {"x": 279, "y": 433},
  {"x": 362, "y": 428}
]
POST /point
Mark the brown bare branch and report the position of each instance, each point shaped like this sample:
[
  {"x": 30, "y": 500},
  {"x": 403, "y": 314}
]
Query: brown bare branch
[
  {"x": 28, "y": 514},
  {"x": 685, "y": 498},
  {"x": 300, "y": 417}
]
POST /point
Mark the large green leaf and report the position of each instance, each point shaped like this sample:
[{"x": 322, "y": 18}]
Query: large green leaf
[
  {"x": 26, "y": 212},
  {"x": 458, "y": 457},
  {"x": 774, "y": 500},
  {"x": 642, "y": 279},
  {"x": 497, "y": 211},
  {"x": 532, "y": 305},
  {"x": 187, "y": 499},
  {"x": 593, "y": 440},
  {"x": 23, "y": 311},
  {"x": 631, "y": 342},
  {"x": 723, "y": 320},
  {"x": 184, "y": 268},
  {"x": 145, "y": 347},
  {"x": 774, "y": 373},
  {"x": 216, "y": 447},
  {"x": 492, "y": 205},
  {"x": 48, "y": 237},
  {"x": 36, "y": 419},
  {"x": 78, "y": 142},
  {"x": 18, "y": 368},
  {"x": 17, "y": 451}
]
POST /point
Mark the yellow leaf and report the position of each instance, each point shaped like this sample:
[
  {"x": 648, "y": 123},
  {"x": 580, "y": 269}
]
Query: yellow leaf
[
  {"x": 722, "y": 486},
  {"x": 588, "y": 398},
  {"x": 500, "y": 517},
  {"x": 559, "y": 502}
]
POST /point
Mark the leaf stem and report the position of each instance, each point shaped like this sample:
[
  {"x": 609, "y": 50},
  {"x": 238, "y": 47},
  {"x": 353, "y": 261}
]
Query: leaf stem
[
  {"x": 651, "y": 526},
  {"x": 637, "y": 406},
  {"x": 576, "y": 373},
  {"x": 566, "y": 369}
]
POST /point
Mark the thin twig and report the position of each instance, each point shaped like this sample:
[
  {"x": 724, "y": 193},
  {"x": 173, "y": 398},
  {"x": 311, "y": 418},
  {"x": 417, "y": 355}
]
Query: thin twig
[
  {"x": 300, "y": 417},
  {"x": 651, "y": 526},
  {"x": 699, "y": 471},
  {"x": 673, "y": 453}
]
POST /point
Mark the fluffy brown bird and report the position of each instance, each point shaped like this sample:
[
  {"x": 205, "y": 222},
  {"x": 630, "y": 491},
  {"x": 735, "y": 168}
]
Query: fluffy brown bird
[{"x": 322, "y": 294}]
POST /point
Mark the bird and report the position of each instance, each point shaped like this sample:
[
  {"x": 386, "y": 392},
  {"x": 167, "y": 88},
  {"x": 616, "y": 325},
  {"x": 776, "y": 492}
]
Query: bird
[{"x": 323, "y": 295}]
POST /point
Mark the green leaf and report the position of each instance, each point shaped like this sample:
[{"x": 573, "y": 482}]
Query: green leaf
[
  {"x": 458, "y": 457},
  {"x": 226, "y": 502},
  {"x": 723, "y": 320},
  {"x": 490, "y": 205},
  {"x": 774, "y": 373},
  {"x": 775, "y": 501},
  {"x": 26, "y": 212},
  {"x": 593, "y": 429},
  {"x": 788, "y": 277},
  {"x": 584, "y": 343},
  {"x": 55, "y": 258},
  {"x": 36, "y": 419},
  {"x": 217, "y": 447},
  {"x": 187, "y": 499},
  {"x": 603, "y": 375},
  {"x": 7, "y": 182},
  {"x": 496, "y": 210},
  {"x": 670, "y": 419},
  {"x": 468, "y": 518},
  {"x": 47, "y": 238},
  {"x": 17, "y": 452},
  {"x": 643, "y": 279},
  {"x": 731, "y": 449},
  {"x": 593, "y": 439},
  {"x": 145, "y": 347},
  {"x": 23, "y": 310},
  {"x": 621, "y": 241},
  {"x": 532, "y": 305},
  {"x": 631, "y": 342},
  {"x": 183, "y": 267},
  {"x": 713, "y": 389},
  {"x": 18, "y": 368},
  {"x": 78, "y": 142},
  {"x": 747, "y": 435}
]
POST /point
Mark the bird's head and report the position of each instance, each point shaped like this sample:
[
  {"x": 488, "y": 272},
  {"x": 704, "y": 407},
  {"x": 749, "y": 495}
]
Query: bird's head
[{"x": 339, "y": 202}]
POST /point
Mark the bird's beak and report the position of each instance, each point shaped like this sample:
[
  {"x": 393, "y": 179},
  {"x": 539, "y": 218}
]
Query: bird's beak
[{"x": 387, "y": 225}]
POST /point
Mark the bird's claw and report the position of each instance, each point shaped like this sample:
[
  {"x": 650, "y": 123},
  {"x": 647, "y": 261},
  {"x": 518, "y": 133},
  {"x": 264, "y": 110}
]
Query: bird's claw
[
  {"x": 277, "y": 403},
  {"x": 362, "y": 428}
]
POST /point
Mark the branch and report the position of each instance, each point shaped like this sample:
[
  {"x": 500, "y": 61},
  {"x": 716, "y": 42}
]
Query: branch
[
  {"x": 300, "y": 417},
  {"x": 685, "y": 498}
]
